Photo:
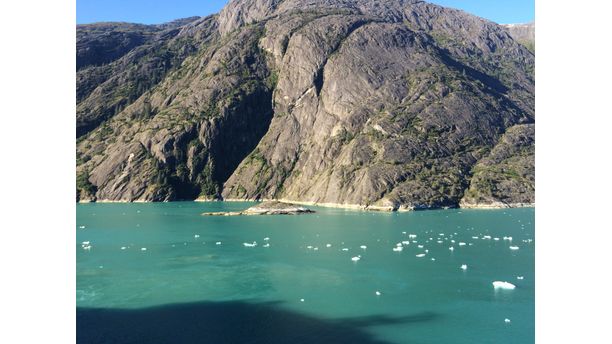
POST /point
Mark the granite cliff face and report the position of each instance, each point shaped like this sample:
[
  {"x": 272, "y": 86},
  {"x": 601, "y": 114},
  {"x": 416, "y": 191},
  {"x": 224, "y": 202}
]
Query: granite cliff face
[{"x": 377, "y": 104}]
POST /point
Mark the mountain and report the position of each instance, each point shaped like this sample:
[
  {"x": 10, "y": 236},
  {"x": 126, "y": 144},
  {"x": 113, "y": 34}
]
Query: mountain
[
  {"x": 389, "y": 105},
  {"x": 523, "y": 33}
]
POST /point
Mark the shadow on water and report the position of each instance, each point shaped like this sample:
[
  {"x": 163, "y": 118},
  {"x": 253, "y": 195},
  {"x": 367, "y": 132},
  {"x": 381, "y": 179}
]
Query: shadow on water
[{"x": 226, "y": 322}]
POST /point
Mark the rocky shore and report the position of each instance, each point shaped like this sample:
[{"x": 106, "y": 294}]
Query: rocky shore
[{"x": 266, "y": 208}]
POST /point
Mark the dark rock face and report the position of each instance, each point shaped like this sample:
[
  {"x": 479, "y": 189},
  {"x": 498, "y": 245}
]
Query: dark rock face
[{"x": 381, "y": 104}]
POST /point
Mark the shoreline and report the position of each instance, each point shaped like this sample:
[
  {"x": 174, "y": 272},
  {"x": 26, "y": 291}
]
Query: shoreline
[{"x": 346, "y": 206}]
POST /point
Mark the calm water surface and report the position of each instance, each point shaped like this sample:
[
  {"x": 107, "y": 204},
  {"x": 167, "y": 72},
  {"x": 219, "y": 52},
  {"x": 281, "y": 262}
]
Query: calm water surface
[{"x": 160, "y": 272}]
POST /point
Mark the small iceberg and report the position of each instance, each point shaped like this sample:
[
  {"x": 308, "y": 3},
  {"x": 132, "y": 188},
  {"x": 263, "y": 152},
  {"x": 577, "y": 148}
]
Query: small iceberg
[
  {"x": 461, "y": 244},
  {"x": 420, "y": 255},
  {"x": 363, "y": 247},
  {"x": 143, "y": 248},
  {"x": 266, "y": 245},
  {"x": 405, "y": 242},
  {"x": 514, "y": 248},
  {"x": 196, "y": 236},
  {"x": 266, "y": 239},
  {"x": 451, "y": 248},
  {"x": 507, "y": 321},
  {"x": 123, "y": 247},
  {"x": 345, "y": 249},
  {"x": 377, "y": 293},
  {"x": 398, "y": 249},
  {"x": 218, "y": 243},
  {"x": 356, "y": 258},
  {"x": 328, "y": 245},
  {"x": 420, "y": 246},
  {"x": 412, "y": 236},
  {"x": 519, "y": 277},
  {"x": 253, "y": 244},
  {"x": 464, "y": 267},
  {"x": 82, "y": 227},
  {"x": 486, "y": 237},
  {"x": 503, "y": 285},
  {"x": 508, "y": 238}
]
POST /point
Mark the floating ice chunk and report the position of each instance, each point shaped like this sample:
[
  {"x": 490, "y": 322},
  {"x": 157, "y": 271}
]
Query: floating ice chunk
[
  {"x": 398, "y": 249},
  {"x": 433, "y": 259},
  {"x": 503, "y": 285},
  {"x": 461, "y": 244},
  {"x": 266, "y": 239},
  {"x": 85, "y": 242},
  {"x": 301, "y": 300},
  {"x": 453, "y": 241},
  {"x": 464, "y": 267},
  {"x": 509, "y": 238},
  {"x": 377, "y": 293},
  {"x": 486, "y": 237},
  {"x": 143, "y": 248},
  {"x": 87, "y": 247},
  {"x": 82, "y": 227},
  {"x": 363, "y": 247},
  {"x": 420, "y": 255},
  {"x": 218, "y": 243},
  {"x": 253, "y": 244},
  {"x": 266, "y": 245},
  {"x": 496, "y": 239},
  {"x": 426, "y": 251},
  {"x": 403, "y": 232},
  {"x": 475, "y": 237},
  {"x": 405, "y": 242},
  {"x": 414, "y": 241},
  {"x": 412, "y": 236},
  {"x": 514, "y": 248},
  {"x": 123, "y": 247},
  {"x": 441, "y": 234},
  {"x": 309, "y": 247},
  {"x": 356, "y": 258},
  {"x": 345, "y": 249},
  {"x": 316, "y": 249},
  {"x": 400, "y": 244},
  {"x": 420, "y": 246},
  {"x": 451, "y": 248},
  {"x": 519, "y": 277},
  {"x": 196, "y": 236},
  {"x": 328, "y": 245},
  {"x": 507, "y": 321},
  {"x": 440, "y": 241}
]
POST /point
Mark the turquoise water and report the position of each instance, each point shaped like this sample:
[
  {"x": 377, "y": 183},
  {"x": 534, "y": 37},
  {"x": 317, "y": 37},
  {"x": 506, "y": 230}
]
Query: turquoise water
[{"x": 298, "y": 286}]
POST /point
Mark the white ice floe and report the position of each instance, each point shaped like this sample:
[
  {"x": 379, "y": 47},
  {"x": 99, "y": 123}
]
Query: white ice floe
[
  {"x": 519, "y": 277},
  {"x": 301, "y": 300},
  {"x": 345, "y": 249},
  {"x": 405, "y": 242},
  {"x": 420, "y": 246},
  {"x": 508, "y": 238},
  {"x": 464, "y": 267},
  {"x": 363, "y": 247},
  {"x": 451, "y": 248},
  {"x": 356, "y": 258},
  {"x": 453, "y": 241},
  {"x": 496, "y": 239},
  {"x": 266, "y": 239},
  {"x": 143, "y": 248},
  {"x": 440, "y": 241},
  {"x": 441, "y": 234},
  {"x": 218, "y": 243},
  {"x": 266, "y": 245},
  {"x": 503, "y": 285},
  {"x": 420, "y": 255},
  {"x": 123, "y": 247},
  {"x": 328, "y": 245},
  {"x": 486, "y": 237},
  {"x": 461, "y": 244},
  {"x": 507, "y": 321},
  {"x": 377, "y": 293},
  {"x": 316, "y": 249},
  {"x": 398, "y": 249},
  {"x": 87, "y": 247},
  {"x": 196, "y": 236},
  {"x": 309, "y": 247},
  {"x": 514, "y": 248},
  {"x": 412, "y": 236},
  {"x": 426, "y": 251},
  {"x": 433, "y": 259},
  {"x": 253, "y": 244},
  {"x": 475, "y": 237},
  {"x": 82, "y": 227}
]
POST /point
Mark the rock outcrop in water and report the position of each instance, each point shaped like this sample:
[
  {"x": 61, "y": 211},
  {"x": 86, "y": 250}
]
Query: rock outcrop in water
[
  {"x": 267, "y": 208},
  {"x": 378, "y": 104}
]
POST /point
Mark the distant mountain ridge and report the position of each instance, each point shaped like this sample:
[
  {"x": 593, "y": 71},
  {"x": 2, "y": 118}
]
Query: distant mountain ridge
[{"x": 389, "y": 105}]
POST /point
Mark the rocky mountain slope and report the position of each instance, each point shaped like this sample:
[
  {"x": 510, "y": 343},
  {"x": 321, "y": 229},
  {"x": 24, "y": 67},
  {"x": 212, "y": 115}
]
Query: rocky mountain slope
[
  {"x": 523, "y": 33},
  {"x": 378, "y": 104}
]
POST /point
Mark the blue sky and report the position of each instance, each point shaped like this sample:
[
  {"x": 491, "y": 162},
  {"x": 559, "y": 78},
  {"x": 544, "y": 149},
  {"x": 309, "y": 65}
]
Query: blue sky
[{"x": 160, "y": 11}]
